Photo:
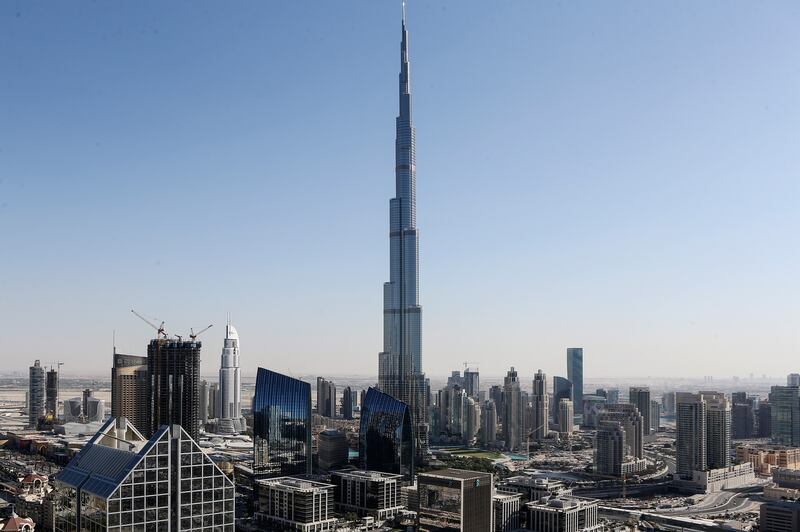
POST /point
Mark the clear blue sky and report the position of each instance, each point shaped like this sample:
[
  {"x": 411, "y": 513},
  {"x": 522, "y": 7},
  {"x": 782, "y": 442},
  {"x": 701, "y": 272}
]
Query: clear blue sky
[{"x": 619, "y": 175}]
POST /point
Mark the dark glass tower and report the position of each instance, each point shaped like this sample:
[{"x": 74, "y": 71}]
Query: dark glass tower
[
  {"x": 281, "y": 425},
  {"x": 386, "y": 440},
  {"x": 562, "y": 389},
  {"x": 173, "y": 368},
  {"x": 51, "y": 391},
  {"x": 400, "y": 363},
  {"x": 575, "y": 376}
]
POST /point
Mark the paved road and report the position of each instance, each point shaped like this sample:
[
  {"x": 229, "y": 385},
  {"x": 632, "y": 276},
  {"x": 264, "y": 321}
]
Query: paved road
[{"x": 720, "y": 502}]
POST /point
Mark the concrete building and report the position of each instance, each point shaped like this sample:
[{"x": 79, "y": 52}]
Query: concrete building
[
  {"x": 793, "y": 379},
  {"x": 506, "y": 511},
  {"x": 609, "y": 449},
  {"x": 765, "y": 460},
  {"x": 780, "y": 516},
  {"x": 718, "y": 430},
  {"x": 655, "y": 416},
  {"x": 454, "y": 499},
  {"x": 472, "y": 382},
  {"x": 563, "y": 514},
  {"x": 632, "y": 423},
  {"x": 639, "y": 396},
  {"x": 533, "y": 489},
  {"x": 288, "y": 503},
  {"x": 566, "y": 417},
  {"x": 575, "y": 376},
  {"x": 513, "y": 422},
  {"x": 562, "y": 389},
  {"x": 367, "y": 493},
  {"x": 690, "y": 446},
  {"x": 612, "y": 396},
  {"x": 120, "y": 478},
  {"x": 540, "y": 426},
  {"x": 333, "y": 449},
  {"x": 36, "y": 394}
]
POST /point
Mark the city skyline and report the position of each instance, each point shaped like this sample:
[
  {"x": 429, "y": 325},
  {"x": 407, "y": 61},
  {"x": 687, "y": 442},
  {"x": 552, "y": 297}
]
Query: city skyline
[{"x": 693, "y": 261}]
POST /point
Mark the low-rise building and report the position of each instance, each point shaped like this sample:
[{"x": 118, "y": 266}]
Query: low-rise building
[
  {"x": 290, "y": 503},
  {"x": 506, "y": 511},
  {"x": 533, "y": 489},
  {"x": 765, "y": 459},
  {"x": 333, "y": 449},
  {"x": 563, "y": 514},
  {"x": 367, "y": 493},
  {"x": 455, "y": 499},
  {"x": 712, "y": 480},
  {"x": 15, "y": 523}
]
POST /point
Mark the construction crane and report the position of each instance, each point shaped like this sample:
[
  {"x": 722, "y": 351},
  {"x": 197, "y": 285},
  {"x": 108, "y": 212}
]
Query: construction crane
[
  {"x": 194, "y": 335},
  {"x": 159, "y": 328}
]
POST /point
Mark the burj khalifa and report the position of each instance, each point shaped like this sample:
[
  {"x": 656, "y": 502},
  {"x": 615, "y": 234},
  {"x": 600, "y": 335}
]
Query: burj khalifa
[{"x": 400, "y": 363}]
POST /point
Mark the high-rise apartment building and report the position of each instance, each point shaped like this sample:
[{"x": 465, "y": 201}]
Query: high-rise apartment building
[
  {"x": 400, "y": 363},
  {"x": 640, "y": 397},
  {"x": 655, "y": 416},
  {"x": 539, "y": 407},
  {"x": 281, "y": 425},
  {"x": 631, "y": 421},
  {"x": 204, "y": 402},
  {"x": 566, "y": 416},
  {"x": 326, "y": 398},
  {"x": 229, "y": 398},
  {"x": 173, "y": 368},
  {"x": 793, "y": 379},
  {"x": 472, "y": 382},
  {"x": 609, "y": 448},
  {"x": 575, "y": 376},
  {"x": 703, "y": 425},
  {"x": 785, "y": 407},
  {"x": 130, "y": 390},
  {"x": 51, "y": 393},
  {"x": 36, "y": 394},
  {"x": 513, "y": 418},
  {"x": 612, "y": 396},
  {"x": 764, "y": 420}
]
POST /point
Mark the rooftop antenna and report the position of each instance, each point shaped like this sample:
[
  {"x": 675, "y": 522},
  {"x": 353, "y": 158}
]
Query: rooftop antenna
[{"x": 404, "y": 12}]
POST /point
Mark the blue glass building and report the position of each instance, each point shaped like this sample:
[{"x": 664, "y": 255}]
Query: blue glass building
[
  {"x": 386, "y": 438},
  {"x": 281, "y": 425},
  {"x": 575, "y": 376}
]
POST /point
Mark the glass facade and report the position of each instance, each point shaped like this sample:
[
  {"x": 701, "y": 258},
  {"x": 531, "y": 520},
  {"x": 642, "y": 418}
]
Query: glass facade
[
  {"x": 575, "y": 376},
  {"x": 562, "y": 389},
  {"x": 386, "y": 440},
  {"x": 168, "y": 484},
  {"x": 281, "y": 425}
]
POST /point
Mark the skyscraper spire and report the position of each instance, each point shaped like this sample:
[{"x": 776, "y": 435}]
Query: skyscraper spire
[{"x": 400, "y": 362}]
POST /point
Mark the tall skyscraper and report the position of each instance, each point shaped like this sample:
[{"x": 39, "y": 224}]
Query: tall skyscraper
[
  {"x": 174, "y": 374},
  {"x": 575, "y": 376},
  {"x": 539, "y": 407},
  {"x": 51, "y": 392},
  {"x": 609, "y": 448},
  {"x": 36, "y": 394},
  {"x": 472, "y": 382},
  {"x": 130, "y": 390},
  {"x": 281, "y": 425},
  {"x": 793, "y": 379},
  {"x": 400, "y": 363},
  {"x": 631, "y": 421},
  {"x": 566, "y": 416},
  {"x": 386, "y": 439},
  {"x": 229, "y": 398},
  {"x": 513, "y": 422},
  {"x": 785, "y": 405},
  {"x": 718, "y": 430},
  {"x": 639, "y": 396},
  {"x": 488, "y": 423}
]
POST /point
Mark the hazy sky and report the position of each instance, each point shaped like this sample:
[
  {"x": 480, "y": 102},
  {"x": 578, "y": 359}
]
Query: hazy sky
[{"x": 621, "y": 176}]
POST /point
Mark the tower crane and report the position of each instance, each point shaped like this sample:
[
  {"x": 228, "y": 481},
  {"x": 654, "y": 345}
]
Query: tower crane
[
  {"x": 194, "y": 335},
  {"x": 159, "y": 328}
]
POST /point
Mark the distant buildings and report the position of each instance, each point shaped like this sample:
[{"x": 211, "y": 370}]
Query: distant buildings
[
  {"x": 563, "y": 514},
  {"x": 513, "y": 417},
  {"x": 488, "y": 431},
  {"x": 631, "y": 421},
  {"x": 287, "y": 503},
  {"x": 386, "y": 439},
  {"x": 119, "y": 478},
  {"x": 539, "y": 407},
  {"x": 348, "y": 400},
  {"x": 85, "y": 409},
  {"x": 281, "y": 425},
  {"x": 575, "y": 376},
  {"x": 743, "y": 418},
  {"x": 229, "y": 403},
  {"x": 655, "y": 416},
  {"x": 454, "y": 499},
  {"x": 173, "y": 368},
  {"x": 562, "y": 389},
  {"x": 326, "y": 398},
  {"x": 36, "y": 394},
  {"x": 785, "y": 415},
  {"x": 639, "y": 396},
  {"x": 472, "y": 382},
  {"x": 793, "y": 379}
]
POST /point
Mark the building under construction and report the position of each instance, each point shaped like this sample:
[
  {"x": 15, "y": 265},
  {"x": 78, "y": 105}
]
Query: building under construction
[{"x": 173, "y": 367}]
